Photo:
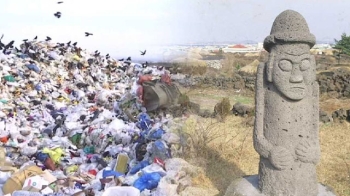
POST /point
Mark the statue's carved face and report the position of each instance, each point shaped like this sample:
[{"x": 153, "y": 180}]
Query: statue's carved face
[{"x": 293, "y": 70}]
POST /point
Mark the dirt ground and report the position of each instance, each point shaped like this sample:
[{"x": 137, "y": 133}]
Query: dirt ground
[{"x": 228, "y": 151}]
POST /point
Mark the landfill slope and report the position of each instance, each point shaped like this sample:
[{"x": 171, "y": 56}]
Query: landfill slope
[{"x": 72, "y": 122}]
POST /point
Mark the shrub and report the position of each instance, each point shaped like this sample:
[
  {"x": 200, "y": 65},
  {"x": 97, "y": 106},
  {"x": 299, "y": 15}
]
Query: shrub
[
  {"x": 223, "y": 108},
  {"x": 184, "y": 101}
]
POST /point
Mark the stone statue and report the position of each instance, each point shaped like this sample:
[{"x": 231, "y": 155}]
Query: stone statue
[
  {"x": 287, "y": 99},
  {"x": 286, "y": 115}
]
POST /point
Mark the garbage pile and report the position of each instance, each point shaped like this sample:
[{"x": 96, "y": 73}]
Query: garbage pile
[{"x": 72, "y": 123}]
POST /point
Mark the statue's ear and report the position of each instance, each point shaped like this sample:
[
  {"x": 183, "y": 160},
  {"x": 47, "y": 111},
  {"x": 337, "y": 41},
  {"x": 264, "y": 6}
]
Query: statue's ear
[
  {"x": 313, "y": 61},
  {"x": 269, "y": 66}
]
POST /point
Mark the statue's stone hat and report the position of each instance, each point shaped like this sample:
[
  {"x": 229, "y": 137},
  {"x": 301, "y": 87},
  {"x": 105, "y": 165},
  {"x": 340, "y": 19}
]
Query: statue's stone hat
[{"x": 289, "y": 27}]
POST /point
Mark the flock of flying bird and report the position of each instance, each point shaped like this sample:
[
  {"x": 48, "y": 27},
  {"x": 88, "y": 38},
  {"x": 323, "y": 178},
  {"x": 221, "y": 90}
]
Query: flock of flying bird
[{"x": 58, "y": 14}]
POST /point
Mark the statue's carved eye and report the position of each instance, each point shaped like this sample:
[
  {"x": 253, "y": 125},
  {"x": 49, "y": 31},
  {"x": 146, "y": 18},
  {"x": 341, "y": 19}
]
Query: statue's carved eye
[
  {"x": 305, "y": 65},
  {"x": 285, "y": 65}
]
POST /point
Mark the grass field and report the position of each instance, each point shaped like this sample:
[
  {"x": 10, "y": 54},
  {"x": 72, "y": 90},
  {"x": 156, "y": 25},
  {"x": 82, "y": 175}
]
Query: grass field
[{"x": 225, "y": 150}]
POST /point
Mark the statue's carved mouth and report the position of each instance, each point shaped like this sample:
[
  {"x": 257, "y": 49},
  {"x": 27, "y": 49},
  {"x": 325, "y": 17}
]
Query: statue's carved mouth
[{"x": 298, "y": 87}]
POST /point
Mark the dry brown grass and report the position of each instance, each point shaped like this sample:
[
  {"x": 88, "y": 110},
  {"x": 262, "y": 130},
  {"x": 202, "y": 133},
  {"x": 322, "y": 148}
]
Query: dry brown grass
[
  {"x": 331, "y": 104},
  {"x": 225, "y": 151}
]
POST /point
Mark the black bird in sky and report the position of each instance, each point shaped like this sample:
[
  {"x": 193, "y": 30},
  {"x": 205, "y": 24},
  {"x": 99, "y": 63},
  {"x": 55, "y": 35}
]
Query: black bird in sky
[
  {"x": 2, "y": 45},
  {"x": 35, "y": 38},
  {"x": 87, "y": 34},
  {"x": 129, "y": 58},
  {"x": 68, "y": 43},
  {"x": 58, "y": 14},
  {"x": 143, "y": 53},
  {"x": 9, "y": 45},
  {"x": 59, "y": 2},
  {"x": 48, "y": 38},
  {"x": 75, "y": 43}
]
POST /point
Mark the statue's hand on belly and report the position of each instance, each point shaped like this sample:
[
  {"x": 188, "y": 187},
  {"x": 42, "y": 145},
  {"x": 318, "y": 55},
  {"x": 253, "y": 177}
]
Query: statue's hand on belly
[
  {"x": 281, "y": 158},
  {"x": 306, "y": 152}
]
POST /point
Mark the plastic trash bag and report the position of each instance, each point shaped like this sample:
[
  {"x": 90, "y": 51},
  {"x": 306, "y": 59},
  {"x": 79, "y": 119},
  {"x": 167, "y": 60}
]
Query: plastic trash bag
[
  {"x": 144, "y": 121},
  {"x": 4, "y": 176},
  {"x": 34, "y": 67},
  {"x": 108, "y": 173},
  {"x": 138, "y": 167},
  {"x": 55, "y": 154},
  {"x": 154, "y": 167},
  {"x": 160, "y": 149},
  {"x": 157, "y": 134},
  {"x": 171, "y": 138},
  {"x": 121, "y": 191},
  {"x": 25, "y": 193},
  {"x": 140, "y": 151},
  {"x": 147, "y": 181}
]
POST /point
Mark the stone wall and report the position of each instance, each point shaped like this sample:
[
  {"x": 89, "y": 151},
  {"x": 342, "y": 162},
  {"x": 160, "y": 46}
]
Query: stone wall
[
  {"x": 236, "y": 82},
  {"x": 335, "y": 83}
]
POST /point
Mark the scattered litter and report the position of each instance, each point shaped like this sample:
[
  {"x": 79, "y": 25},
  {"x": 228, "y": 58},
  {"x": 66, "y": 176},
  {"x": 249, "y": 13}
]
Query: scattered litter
[{"x": 74, "y": 123}]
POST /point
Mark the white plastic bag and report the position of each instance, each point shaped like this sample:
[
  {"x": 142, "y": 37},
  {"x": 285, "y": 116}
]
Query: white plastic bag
[{"x": 121, "y": 191}]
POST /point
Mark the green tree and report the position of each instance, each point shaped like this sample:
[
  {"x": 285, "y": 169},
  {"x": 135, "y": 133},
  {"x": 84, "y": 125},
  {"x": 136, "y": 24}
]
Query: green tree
[{"x": 342, "y": 45}]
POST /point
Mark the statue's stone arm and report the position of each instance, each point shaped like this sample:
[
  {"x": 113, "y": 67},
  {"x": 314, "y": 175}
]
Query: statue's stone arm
[
  {"x": 308, "y": 150},
  {"x": 261, "y": 145}
]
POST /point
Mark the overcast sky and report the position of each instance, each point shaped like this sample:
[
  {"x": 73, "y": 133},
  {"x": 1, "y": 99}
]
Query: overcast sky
[{"x": 127, "y": 26}]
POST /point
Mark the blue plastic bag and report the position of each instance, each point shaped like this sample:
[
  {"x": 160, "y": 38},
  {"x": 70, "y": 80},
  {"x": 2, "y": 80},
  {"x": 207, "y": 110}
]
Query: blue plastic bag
[
  {"x": 156, "y": 134},
  {"x": 138, "y": 167},
  {"x": 42, "y": 156},
  {"x": 108, "y": 173},
  {"x": 33, "y": 67},
  {"x": 147, "y": 181},
  {"x": 160, "y": 150},
  {"x": 38, "y": 87},
  {"x": 145, "y": 121}
]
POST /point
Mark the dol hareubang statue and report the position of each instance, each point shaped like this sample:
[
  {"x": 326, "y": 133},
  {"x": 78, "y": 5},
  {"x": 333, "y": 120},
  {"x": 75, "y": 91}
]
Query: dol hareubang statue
[
  {"x": 287, "y": 99},
  {"x": 286, "y": 116}
]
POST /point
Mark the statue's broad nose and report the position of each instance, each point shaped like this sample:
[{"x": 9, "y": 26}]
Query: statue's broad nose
[{"x": 297, "y": 76}]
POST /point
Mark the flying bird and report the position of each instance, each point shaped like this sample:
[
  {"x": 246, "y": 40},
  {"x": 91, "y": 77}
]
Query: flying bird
[
  {"x": 143, "y": 53},
  {"x": 59, "y": 2},
  {"x": 87, "y": 34},
  {"x": 129, "y": 58},
  {"x": 48, "y": 38},
  {"x": 1, "y": 44},
  {"x": 58, "y": 14},
  {"x": 9, "y": 45},
  {"x": 35, "y": 38},
  {"x": 75, "y": 43}
]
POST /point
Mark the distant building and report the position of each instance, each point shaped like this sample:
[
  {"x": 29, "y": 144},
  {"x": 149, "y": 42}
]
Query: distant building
[{"x": 239, "y": 48}]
